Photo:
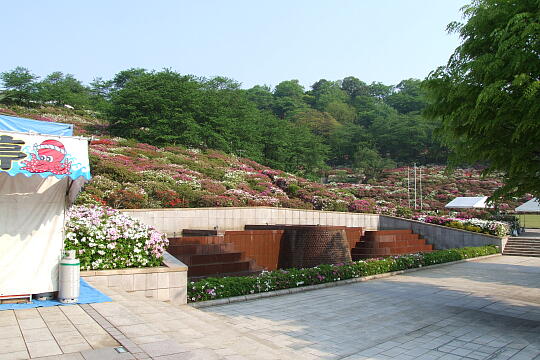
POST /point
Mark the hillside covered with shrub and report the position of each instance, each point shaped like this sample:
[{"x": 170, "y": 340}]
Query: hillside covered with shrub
[{"x": 131, "y": 174}]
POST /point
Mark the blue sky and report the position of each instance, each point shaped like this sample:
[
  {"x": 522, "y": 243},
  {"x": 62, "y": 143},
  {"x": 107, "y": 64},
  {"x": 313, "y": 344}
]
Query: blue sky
[{"x": 253, "y": 42}]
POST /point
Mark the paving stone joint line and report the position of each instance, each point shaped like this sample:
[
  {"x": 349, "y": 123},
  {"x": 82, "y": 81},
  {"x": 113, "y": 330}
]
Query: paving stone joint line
[{"x": 122, "y": 339}]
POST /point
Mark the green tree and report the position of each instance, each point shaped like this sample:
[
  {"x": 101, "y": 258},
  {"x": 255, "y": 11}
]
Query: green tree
[
  {"x": 261, "y": 96},
  {"x": 404, "y": 138},
  {"x": 408, "y": 96},
  {"x": 288, "y": 96},
  {"x": 341, "y": 111},
  {"x": 354, "y": 87},
  {"x": 306, "y": 152},
  {"x": 121, "y": 79},
  {"x": 488, "y": 95},
  {"x": 379, "y": 90},
  {"x": 370, "y": 162},
  {"x": 344, "y": 142},
  {"x": 99, "y": 94},
  {"x": 156, "y": 107},
  {"x": 63, "y": 89},
  {"x": 230, "y": 122},
  {"x": 320, "y": 123},
  {"x": 326, "y": 92},
  {"x": 19, "y": 85}
]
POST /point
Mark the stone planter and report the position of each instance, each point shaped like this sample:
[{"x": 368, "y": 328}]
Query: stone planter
[{"x": 164, "y": 283}]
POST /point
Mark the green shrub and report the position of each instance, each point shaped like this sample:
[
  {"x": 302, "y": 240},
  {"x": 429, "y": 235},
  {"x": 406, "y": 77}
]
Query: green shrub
[
  {"x": 116, "y": 172},
  {"x": 216, "y": 288},
  {"x": 404, "y": 212},
  {"x": 293, "y": 189}
]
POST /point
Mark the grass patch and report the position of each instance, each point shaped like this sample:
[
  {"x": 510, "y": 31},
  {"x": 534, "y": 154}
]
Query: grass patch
[{"x": 530, "y": 221}]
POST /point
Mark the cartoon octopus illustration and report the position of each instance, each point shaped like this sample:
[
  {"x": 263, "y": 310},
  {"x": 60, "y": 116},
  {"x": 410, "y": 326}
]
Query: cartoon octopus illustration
[{"x": 50, "y": 158}]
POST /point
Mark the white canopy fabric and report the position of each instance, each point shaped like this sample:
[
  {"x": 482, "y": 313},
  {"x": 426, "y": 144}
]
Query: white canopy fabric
[
  {"x": 468, "y": 202},
  {"x": 31, "y": 236},
  {"x": 39, "y": 174},
  {"x": 532, "y": 205}
]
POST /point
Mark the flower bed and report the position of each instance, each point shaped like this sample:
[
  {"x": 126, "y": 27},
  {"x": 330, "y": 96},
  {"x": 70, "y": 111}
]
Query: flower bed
[
  {"x": 107, "y": 239},
  {"x": 491, "y": 227},
  {"x": 216, "y": 288}
]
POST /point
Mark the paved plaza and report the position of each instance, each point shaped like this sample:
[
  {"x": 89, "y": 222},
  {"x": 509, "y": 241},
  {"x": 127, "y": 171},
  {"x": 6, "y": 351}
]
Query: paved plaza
[{"x": 487, "y": 309}]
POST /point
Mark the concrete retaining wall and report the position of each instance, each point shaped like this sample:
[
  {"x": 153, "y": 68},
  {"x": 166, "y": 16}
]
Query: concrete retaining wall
[
  {"x": 172, "y": 221},
  {"x": 441, "y": 237}
]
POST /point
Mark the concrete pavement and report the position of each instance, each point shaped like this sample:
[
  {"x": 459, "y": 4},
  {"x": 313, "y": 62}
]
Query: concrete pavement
[{"x": 486, "y": 309}]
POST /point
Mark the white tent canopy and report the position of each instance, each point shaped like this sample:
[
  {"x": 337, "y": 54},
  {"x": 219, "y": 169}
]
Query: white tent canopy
[
  {"x": 468, "y": 202},
  {"x": 39, "y": 173},
  {"x": 530, "y": 206}
]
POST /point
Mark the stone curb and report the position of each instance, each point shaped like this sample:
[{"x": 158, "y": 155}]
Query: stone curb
[{"x": 234, "y": 299}]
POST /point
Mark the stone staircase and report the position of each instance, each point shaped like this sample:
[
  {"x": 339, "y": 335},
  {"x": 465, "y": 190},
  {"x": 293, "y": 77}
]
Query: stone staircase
[
  {"x": 522, "y": 246},
  {"x": 382, "y": 243},
  {"x": 206, "y": 254}
]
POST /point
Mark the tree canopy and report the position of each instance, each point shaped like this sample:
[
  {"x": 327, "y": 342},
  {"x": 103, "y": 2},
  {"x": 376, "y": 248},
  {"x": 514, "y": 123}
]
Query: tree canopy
[
  {"x": 488, "y": 95},
  {"x": 304, "y": 130}
]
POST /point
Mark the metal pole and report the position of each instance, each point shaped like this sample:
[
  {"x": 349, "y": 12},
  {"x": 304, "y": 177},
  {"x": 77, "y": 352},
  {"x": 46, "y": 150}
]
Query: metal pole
[
  {"x": 408, "y": 187},
  {"x": 421, "y": 204},
  {"x": 415, "y": 186}
]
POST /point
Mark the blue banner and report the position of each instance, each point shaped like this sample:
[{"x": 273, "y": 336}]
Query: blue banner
[{"x": 11, "y": 123}]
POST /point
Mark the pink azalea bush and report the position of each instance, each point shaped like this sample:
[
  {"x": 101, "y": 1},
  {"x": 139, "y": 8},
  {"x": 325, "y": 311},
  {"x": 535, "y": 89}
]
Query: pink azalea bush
[
  {"x": 133, "y": 175},
  {"x": 105, "y": 238}
]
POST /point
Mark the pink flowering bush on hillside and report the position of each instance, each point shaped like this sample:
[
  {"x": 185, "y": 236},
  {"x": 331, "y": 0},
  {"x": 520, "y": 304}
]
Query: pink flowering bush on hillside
[
  {"x": 105, "y": 238},
  {"x": 133, "y": 175},
  {"x": 491, "y": 227}
]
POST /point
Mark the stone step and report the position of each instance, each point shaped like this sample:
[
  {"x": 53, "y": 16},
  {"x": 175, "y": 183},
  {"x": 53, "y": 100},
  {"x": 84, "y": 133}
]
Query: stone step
[
  {"x": 191, "y": 260},
  {"x": 523, "y": 243},
  {"x": 198, "y": 232},
  {"x": 391, "y": 251},
  {"x": 218, "y": 268},
  {"x": 186, "y": 240},
  {"x": 506, "y": 249},
  {"x": 520, "y": 253},
  {"x": 239, "y": 273},
  {"x": 381, "y": 243},
  {"x": 200, "y": 249},
  {"x": 524, "y": 239},
  {"x": 397, "y": 243},
  {"x": 514, "y": 246},
  {"x": 389, "y": 237},
  {"x": 386, "y": 232},
  {"x": 520, "y": 248},
  {"x": 357, "y": 257}
]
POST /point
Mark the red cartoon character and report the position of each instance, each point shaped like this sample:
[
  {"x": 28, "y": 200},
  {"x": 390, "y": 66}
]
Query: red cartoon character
[{"x": 50, "y": 158}]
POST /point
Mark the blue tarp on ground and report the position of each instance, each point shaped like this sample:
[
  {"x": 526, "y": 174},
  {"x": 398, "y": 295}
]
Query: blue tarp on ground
[
  {"x": 12, "y": 123},
  {"x": 88, "y": 295}
]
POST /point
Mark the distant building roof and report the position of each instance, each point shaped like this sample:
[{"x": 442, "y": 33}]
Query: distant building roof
[
  {"x": 468, "y": 202},
  {"x": 530, "y": 206}
]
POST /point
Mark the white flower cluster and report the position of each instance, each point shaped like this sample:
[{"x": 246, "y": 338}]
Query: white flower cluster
[
  {"x": 107, "y": 239},
  {"x": 244, "y": 195}
]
